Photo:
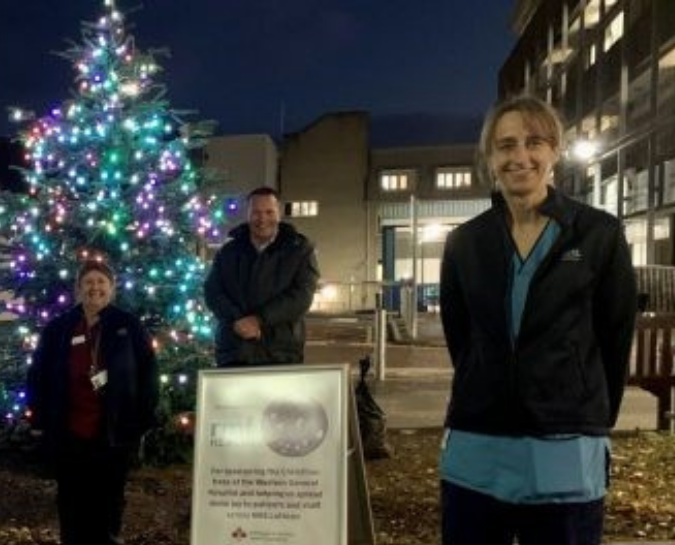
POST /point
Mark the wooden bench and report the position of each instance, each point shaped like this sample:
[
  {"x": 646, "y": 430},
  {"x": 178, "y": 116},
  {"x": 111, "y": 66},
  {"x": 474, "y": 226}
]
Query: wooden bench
[
  {"x": 651, "y": 366},
  {"x": 656, "y": 284}
]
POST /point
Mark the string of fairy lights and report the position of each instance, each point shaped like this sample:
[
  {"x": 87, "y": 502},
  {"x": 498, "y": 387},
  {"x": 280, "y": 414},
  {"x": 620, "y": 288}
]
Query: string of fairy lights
[{"x": 110, "y": 177}]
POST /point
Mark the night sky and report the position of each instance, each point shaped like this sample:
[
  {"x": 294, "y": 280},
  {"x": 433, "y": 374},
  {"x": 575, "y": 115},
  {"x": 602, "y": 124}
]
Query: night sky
[{"x": 425, "y": 69}]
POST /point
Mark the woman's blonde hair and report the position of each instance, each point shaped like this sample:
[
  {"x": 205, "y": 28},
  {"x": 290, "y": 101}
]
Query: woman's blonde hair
[{"x": 537, "y": 114}]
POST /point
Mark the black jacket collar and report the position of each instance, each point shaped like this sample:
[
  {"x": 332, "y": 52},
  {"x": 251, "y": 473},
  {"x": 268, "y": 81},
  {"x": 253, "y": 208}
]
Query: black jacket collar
[{"x": 555, "y": 206}]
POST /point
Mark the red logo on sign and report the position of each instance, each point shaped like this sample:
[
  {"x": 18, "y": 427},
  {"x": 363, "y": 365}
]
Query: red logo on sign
[{"x": 239, "y": 534}]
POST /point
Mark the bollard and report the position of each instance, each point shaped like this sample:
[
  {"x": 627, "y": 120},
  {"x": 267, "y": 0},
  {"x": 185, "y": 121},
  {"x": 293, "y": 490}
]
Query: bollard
[{"x": 380, "y": 348}]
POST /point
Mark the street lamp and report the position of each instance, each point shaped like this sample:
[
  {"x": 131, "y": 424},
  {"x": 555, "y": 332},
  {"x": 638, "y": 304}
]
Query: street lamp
[{"x": 584, "y": 149}]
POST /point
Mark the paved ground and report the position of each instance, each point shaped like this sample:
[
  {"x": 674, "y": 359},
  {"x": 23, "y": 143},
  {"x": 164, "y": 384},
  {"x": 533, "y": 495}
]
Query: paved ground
[
  {"x": 415, "y": 391},
  {"x": 417, "y": 380}
]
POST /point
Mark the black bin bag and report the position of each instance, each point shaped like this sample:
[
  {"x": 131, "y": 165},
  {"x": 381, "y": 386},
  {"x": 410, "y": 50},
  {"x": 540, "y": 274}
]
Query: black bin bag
[{"x": 372, "y": 419}]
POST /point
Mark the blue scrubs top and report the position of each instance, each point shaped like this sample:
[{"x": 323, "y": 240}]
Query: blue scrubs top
[{"x": 550, "y": 469}]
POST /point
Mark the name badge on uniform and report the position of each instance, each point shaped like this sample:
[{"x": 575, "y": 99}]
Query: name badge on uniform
[
  {"x": 99, "y": 380},
  {"x": 78, "y": 339}
]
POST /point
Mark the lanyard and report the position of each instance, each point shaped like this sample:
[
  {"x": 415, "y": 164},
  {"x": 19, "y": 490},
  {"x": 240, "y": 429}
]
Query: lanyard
[{"x": 94, "y": 342}]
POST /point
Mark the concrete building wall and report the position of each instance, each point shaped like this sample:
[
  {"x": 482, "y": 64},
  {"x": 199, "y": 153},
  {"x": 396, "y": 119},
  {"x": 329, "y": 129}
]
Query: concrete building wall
[
  {"x": 239, "y": 163},
  {"x": 425, "y": 162},
  {"x": 244, "y": 161},
  {"x": 363, "y": 230},
  {"x": 419, "y": 216},
  {"x": 328, "y": 163}
]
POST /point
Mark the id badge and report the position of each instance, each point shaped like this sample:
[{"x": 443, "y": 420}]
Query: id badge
[{"x": 99, "y": 380}]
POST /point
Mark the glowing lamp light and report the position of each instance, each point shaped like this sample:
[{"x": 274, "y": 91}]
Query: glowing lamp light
[
  {"x": 432, "y": 233},
  {"x": 585, "y": 150},
  {"x": 329, "y": 292},
  {"x": 164, "y": 379}
]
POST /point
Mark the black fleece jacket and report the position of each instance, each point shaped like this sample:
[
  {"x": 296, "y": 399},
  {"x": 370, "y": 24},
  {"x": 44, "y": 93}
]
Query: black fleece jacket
[{"x": 565, "y": 372}]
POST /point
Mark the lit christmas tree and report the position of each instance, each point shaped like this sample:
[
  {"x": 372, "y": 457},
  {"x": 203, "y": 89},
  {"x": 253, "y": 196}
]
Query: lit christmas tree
[{"x": 110, "y": 178}]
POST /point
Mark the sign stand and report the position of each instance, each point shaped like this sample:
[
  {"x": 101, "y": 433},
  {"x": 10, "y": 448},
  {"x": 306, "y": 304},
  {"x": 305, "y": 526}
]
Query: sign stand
[{"x": 278, "y": 458}]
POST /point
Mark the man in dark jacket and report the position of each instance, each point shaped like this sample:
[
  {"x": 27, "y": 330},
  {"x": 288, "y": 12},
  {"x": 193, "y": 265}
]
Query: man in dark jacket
[{"x": 260, "y": 286}]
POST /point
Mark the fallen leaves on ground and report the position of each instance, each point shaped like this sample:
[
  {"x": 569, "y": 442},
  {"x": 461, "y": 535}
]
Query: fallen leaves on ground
[{"x": 403, "y": 493}]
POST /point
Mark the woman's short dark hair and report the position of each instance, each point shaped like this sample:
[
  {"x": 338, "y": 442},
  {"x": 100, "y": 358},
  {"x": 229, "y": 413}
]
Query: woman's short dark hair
[{"x": 95, "y": 265}]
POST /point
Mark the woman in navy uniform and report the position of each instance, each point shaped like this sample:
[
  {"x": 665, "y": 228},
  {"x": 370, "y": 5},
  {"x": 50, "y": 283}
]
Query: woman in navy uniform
[{"x": 92, "y": 390}]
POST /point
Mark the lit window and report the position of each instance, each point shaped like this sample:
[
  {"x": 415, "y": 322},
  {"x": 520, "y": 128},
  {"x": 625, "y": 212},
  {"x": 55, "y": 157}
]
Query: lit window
[
  {"x": 592, "y": 13},
  {"x": 395, "y": 180},
  {"x": 591, "y": 56},
  {"x": 609, "y": 122},
  {"x": 575, "y": 27},
  {"x": 614, "y": 31},
  {"x": 452, "y": 178},
  {"x": 589, "y": 128},
  {"x": 668, "y": 60},
  {"x": 302, "y": 209}
]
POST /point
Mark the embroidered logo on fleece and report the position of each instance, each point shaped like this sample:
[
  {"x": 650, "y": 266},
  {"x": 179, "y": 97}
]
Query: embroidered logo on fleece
[{"x": 572, "y": 255}]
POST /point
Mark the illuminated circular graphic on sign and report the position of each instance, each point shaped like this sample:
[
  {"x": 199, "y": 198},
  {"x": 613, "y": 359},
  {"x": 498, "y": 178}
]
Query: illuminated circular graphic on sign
[{"x": 294, "y": 427}]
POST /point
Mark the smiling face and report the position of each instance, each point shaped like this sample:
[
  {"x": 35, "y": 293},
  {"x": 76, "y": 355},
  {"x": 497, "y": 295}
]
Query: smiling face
[
  {"x": 522, "y": 155},
  {"x": 95, "y": 291},
  {"x": 263, "y": 218}
]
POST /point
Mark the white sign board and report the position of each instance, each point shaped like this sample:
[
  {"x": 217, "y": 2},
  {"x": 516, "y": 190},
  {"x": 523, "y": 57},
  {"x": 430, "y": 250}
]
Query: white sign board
[{"x": 271, "y": 456}]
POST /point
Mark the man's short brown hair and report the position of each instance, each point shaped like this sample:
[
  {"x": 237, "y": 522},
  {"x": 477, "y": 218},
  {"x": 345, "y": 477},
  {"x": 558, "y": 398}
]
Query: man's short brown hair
[{"x": 262, "y": 191}]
